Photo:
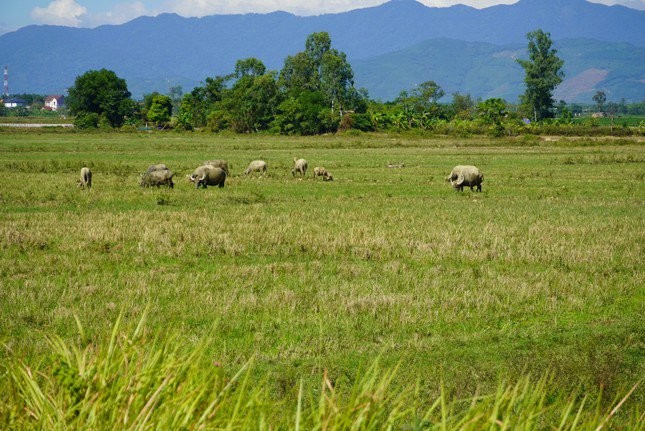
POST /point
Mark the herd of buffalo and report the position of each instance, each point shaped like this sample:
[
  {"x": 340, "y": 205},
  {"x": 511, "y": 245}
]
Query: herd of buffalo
[{"x": 214, "y": 173}]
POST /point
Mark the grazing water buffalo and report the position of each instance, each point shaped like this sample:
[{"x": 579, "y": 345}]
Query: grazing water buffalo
[
  {"x": 469, "y": 176},
  {"x": 86, "y": 178},
  {"x": 157, "y": 167},
  {"x": 299, "y": 166},
  {"x": 157, "y": 178},
  {"x": 319, "y": 171},
  {"x": 218, "y": 164},
  {"x": 208, "y": 175},
  {"x": 256, "y": 166}
]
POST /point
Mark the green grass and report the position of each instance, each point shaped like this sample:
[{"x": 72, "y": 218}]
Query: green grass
[
  {"x": 619, "y": 120},
  {"x": 538, "y": 280},
  {"x": 44, "y": 118}
]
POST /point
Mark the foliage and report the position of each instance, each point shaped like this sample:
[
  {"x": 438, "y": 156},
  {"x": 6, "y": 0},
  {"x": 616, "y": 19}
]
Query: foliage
[
  {"x": 101, "y": 92},
  {"x": 30, "y": 98},
  {"x": 249, "y": 67},
  {"x": 419, "y": 108},
  {"x": 357, "y": 121},
  {"x": 253, "y": 98},
  {"x": 305, "y": 113},
  {"x": 636, "y": 108},
  {"x": 543, "y": 73},
  {"x": 492, "y": 111},
  {"x": 197, "y": 105},
  {"x": 160, "y": 109},
  {"x": 20, "y": 111},
  {"x": 322, "y": 70},
  {"x": 600, "y": 98},
  {"x": 86, "y": 120},
  {"x": 314, "y": 94},
  {"x": 462, "y": 107}
]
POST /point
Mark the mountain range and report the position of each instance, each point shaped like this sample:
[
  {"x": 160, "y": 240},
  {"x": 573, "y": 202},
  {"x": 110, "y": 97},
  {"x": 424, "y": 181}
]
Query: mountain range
[{"x": 392, "y": 47}]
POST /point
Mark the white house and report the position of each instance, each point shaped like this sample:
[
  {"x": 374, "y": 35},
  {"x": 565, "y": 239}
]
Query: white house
[
  {"x": 14, "y": 102},
  {"x": 52, "y": 103}
]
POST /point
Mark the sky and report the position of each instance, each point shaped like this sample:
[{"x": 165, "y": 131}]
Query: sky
[{"x": 92, "y": 13}]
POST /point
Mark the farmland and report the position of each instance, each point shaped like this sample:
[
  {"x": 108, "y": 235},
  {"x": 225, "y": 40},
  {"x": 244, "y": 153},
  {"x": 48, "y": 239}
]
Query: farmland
[{"x": 296, "y": 280}]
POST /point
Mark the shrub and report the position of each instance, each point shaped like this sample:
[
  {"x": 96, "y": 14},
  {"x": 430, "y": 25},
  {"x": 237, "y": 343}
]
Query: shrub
[
  {"x": 363, "y": 122},
  {"x": 87, "y": 120}
]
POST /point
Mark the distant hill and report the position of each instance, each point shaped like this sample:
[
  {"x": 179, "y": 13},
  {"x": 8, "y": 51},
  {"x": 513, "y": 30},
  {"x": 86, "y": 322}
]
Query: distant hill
[
  {"x": 486, "y": 70},
  {"x": 154, "y": 53}
]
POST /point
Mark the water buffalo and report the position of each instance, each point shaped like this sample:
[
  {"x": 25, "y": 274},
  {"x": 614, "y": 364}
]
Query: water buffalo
[
  {"x": 463, "y": 175},
  {"x": 157, "y": 179},
  {"x": 157, "y": 167},
  {"x": 86, "y": 178},
  {"x": 218, "y": 164},
  {"x": 319, "y": 171},
  {"x": 299, "y": 166},
  {"x": 256, "y": 166},
  {"x": 208, "y": 175}
]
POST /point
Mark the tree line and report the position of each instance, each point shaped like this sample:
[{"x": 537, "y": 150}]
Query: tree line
[{"x": 314, "y": 93}]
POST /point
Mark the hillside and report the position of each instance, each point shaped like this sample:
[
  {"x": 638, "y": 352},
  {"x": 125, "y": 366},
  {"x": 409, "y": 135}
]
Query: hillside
[
  {"x": 154, "y": 53},
  {"x": 486, "y": 70}
]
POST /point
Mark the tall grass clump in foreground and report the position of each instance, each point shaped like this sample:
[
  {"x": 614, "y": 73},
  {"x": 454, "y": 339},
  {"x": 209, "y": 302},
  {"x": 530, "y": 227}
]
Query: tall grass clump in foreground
[{"x": 133, "y": 380}]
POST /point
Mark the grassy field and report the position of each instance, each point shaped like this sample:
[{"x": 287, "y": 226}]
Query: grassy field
[{"x": 538, "y": 278}]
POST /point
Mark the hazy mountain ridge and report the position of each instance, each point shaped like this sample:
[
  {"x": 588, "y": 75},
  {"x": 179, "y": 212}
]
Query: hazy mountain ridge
[
  {"x": 487, "y": 70},
  {"x": 153, "y": 53}
]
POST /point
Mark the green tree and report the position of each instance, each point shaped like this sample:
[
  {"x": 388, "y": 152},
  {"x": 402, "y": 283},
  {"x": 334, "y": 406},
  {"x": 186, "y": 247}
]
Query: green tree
[
  {"x": 462, "y": 106},
  {"x": 249, "y": 67},
  {"x": 565, "y": 116},
  {"x": 101, "y": 92},
  {"x": 305, "y": 114},
  {"x": 425, "y": 98},
  {"x": 131, "y": 112},
  {"x": 160, "y": 110},
  {"x": 197, "y": 105},
  {"x": 600, "y": 98},
  {"x": 492, "y": 111},
  {"x": 86, "y": 120},
  {"x": 321, "y": 68},
  {"x": 316, "y": 45},
  {"x": 420, "y": 107},
  {"x": 298, "y": 74},
  {"x": 337, "y": 80},
  {"x": 254, "y": 97},
  {"x": 543, "y": 73},
  {"x": 147, "y": 103},
  {"x": 622, "y": 106}
]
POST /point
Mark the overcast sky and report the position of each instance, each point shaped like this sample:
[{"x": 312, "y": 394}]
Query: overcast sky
[{"x": 91, "y": 13}]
